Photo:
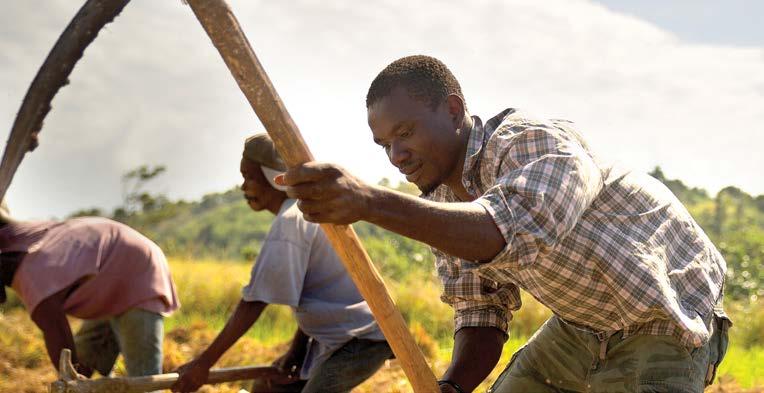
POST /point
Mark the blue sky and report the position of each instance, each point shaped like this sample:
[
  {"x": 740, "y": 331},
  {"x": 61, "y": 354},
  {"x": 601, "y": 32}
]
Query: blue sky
[
  {"x": 678, "y": 84},
  {"x": 734, "y": 22}
]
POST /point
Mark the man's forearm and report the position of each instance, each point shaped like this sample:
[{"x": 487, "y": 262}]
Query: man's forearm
[
  {"x": 50, "y": 318},
  {"x": 245, "y": 315},
  {"x": 476, "y": 352},
  {"x": 464, "y": 230},
  {"x": 57, "y": 336}
]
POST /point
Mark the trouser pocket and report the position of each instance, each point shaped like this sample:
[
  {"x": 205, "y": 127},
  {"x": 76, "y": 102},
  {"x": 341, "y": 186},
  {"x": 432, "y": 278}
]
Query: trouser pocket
[
  {"x": 717, "y": 346},
  {"x": 504, "y": 374}
]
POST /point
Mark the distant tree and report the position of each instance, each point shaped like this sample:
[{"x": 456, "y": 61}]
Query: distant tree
[
  {"x": 92, "y": 212},
  {"x": 134, "y": 197},
  {"x": 760, "y": 203},
  {"x": 120, "y": 214},
  {"x": 720, "y": 214},
  {"x": 684, "y": 193},
  {"x": 222, "y": 226}
]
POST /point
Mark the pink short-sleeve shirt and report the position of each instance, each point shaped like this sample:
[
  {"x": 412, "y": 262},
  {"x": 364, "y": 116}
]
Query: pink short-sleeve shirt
[{"x": 110, "y": 266}]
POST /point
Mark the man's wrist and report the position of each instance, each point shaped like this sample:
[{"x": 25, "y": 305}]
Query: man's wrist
[
  {"x": 372, "y": 196},
  {"x": 206, "y": 360}
]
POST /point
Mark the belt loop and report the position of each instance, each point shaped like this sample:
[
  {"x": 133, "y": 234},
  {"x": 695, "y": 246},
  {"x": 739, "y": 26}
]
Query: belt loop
[
  {"x": 603, "y": 349},
  {"x": 603, "y": 338}
]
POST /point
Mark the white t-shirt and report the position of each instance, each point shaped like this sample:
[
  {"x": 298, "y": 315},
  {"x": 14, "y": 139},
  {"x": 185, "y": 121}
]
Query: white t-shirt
[{"x": 298, "y": 267}]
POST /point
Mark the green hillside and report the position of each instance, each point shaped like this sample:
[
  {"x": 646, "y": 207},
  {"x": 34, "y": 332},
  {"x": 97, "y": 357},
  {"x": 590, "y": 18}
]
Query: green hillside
[{"x": 221, "y": 226}]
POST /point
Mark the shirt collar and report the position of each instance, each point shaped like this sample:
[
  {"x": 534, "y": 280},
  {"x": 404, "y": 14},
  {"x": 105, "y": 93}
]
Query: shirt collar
[
  {"x": 475, "y": 144},
  {"x": 476, "y": 141}
]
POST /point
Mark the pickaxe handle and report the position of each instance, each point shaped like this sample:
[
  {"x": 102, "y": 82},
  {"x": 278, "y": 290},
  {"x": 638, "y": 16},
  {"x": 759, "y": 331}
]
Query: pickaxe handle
[
  {"x": 226, "y": 34},
  {"x": 68, "y": 382}
]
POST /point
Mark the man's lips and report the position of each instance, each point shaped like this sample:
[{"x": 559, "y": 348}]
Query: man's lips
[{"x": 412, "y": 173}]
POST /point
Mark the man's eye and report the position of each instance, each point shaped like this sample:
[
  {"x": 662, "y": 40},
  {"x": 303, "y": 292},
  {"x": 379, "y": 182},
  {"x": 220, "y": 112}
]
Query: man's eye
[{"x": 407, "y": 133}]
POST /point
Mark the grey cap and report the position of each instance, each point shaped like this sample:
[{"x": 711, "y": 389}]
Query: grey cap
[{"x": 260, "y": 149}]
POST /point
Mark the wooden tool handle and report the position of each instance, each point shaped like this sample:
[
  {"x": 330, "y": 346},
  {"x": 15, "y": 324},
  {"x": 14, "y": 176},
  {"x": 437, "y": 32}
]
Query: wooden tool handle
[
  {"x": 223, "y": 29},
  {"x": 163, "y": 381},
  {"x": 220, "y": 375},
  {"x": 69, "y": 383}
]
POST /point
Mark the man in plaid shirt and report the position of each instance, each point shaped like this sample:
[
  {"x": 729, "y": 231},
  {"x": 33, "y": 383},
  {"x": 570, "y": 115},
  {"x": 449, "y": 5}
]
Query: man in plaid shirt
[{"x": 634, "y": 283}]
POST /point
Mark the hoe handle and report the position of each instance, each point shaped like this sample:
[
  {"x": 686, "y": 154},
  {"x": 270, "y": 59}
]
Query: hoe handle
[{"x": 223, "y": 28}]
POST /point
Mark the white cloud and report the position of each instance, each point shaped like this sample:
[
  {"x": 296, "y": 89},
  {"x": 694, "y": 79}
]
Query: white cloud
[{"x": 152, "y": 89}]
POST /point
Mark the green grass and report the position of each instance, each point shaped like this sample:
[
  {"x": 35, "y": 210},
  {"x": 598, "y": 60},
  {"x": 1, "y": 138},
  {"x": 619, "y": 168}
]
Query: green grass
[
  {"x": 275, "y": 326},
  {"x": 209, "y": 291},
  {"x": 745, "y": 365}
]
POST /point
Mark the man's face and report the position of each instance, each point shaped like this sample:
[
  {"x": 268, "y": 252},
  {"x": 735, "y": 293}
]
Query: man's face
[
  {"x": 256, "y": 188},
  {"x": 419, "y": 141}
]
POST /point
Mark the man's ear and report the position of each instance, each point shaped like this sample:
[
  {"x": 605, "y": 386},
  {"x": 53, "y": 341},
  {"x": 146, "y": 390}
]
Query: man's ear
[{"x": 455, "y": 106}]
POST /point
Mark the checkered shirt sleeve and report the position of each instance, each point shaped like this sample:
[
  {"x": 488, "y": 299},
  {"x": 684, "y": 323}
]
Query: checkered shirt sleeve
[{"x": 543, "y": 181}]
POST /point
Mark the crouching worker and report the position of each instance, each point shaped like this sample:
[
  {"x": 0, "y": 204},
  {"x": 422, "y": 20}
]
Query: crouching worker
[
  {"x": 98, "y": 270},
  {"x": 338, "y": 344}
]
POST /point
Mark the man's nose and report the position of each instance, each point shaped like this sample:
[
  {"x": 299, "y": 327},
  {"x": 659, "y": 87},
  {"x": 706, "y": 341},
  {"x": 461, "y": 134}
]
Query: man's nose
[{"x": 398, "y": 154}]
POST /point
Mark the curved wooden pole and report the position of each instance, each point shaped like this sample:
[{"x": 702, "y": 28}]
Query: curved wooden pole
[
  {"x": 52, "y": 76},
  {"x": 223, "y": 28}
]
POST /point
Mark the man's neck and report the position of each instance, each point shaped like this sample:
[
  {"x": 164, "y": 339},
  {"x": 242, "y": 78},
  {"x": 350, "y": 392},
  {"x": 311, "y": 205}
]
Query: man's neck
[
  {"x": 454, "y": 182},
  {"x": 275, "y": 206}
]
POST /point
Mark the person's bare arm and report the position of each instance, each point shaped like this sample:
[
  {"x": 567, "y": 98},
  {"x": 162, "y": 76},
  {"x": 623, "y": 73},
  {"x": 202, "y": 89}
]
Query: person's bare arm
[
  {"x": 464, "y": 230},
  {"x": 194, "y": 373},
  {"x": 49, "y": 316},
  {"x": 476, "y": 352},
  {"x": 328, "y": 193}
]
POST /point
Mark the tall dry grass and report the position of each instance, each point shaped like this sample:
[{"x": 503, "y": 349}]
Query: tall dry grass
[{"x": 209, "y": 291}]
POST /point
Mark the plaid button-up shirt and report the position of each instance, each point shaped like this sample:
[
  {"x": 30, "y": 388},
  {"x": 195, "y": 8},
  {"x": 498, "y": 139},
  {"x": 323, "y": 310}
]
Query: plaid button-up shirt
[{"x": 604, "y": 249}]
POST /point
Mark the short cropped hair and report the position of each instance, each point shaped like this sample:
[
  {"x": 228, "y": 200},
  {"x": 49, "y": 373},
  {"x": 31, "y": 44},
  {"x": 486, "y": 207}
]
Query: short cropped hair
[{"x": 425, "y": 78}]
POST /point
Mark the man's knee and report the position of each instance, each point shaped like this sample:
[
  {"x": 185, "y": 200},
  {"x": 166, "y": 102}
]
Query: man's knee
[
  {"x": 140, "y": 335},
  {"x": 96, "y": 345}
]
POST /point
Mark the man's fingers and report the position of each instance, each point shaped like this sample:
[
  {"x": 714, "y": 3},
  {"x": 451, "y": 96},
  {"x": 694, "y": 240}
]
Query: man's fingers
[
  {"x": 315, "y": 217},
  {"x": 302, "y": 191},
  {"x": 320, "y": 218},
  {"x": 181, "y": 385},
  {"x": 187, "y": 386},
  {"x": 314, "y": 207},
  {"x": 332, "y": 217},
  {"x": 186, "y": 382},
  {"x": 323, "y": 189},
  {"x": 309, "y": 172},
  {"x": 308, "y": 206}
]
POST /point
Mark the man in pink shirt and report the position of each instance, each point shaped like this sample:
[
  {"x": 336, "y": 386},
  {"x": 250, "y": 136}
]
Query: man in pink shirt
[{"x": 98, "y": 270}]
